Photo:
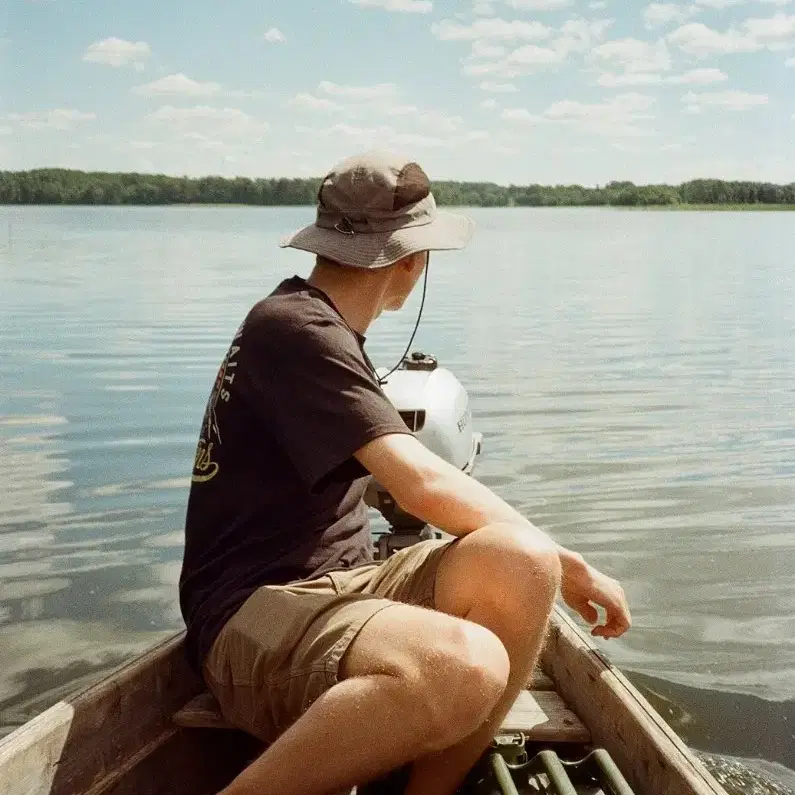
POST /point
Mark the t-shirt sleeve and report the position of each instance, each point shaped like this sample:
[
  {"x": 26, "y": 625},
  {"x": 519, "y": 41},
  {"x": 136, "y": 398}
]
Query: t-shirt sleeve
[{"x": 322, "y": 400}]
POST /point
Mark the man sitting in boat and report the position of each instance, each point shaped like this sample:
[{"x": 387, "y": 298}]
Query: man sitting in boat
[{"x": 303, "y": 639}]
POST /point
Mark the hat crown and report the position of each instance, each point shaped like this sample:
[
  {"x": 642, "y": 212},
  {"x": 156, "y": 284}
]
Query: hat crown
[{"x": 374, "y": 184}]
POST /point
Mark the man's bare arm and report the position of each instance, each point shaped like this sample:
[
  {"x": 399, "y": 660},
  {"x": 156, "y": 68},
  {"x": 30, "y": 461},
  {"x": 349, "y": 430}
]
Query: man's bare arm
[{"x": 426, "y": 486}]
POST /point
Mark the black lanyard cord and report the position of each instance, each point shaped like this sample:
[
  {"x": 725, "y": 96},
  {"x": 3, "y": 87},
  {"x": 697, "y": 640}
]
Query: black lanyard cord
[{"x": 382, "y": 379}]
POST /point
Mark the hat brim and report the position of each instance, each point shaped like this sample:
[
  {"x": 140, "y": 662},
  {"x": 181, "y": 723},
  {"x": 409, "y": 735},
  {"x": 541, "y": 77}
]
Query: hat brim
[{"x": 447, "y": 232}]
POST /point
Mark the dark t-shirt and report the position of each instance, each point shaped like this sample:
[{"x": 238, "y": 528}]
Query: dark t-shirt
[{"x": 276, "y": 495}]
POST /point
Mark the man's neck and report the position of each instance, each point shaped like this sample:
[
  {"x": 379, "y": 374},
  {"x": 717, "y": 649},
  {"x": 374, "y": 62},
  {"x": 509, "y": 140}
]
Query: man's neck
[{"x": 358, "y": 298}]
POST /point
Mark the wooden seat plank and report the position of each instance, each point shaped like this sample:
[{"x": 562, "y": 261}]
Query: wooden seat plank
[
  {"x": 540, "y": 681},
  {"x": 202, "y": 712},
  {"x": 543, "y": 716}
]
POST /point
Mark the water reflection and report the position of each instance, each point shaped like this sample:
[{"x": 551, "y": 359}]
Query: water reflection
[
  {"x": 633, "y": 376},
  {"x": 31, "y": 466}
]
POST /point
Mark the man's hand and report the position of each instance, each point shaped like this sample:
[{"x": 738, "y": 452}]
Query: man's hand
[
  {"x": 583, "y": 586},
  {"x": 430, "y": 488}
]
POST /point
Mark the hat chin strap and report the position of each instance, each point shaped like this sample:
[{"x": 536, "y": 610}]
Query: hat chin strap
[{"x": 382, "y": 380}]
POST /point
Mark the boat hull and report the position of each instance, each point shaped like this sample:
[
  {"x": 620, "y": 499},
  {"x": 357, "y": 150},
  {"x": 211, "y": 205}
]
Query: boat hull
[{"x": 119, "y": 737}]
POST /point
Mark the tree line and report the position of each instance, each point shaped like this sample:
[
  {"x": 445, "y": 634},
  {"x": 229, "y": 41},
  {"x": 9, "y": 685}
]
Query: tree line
[{"x": 66, "y": 186}]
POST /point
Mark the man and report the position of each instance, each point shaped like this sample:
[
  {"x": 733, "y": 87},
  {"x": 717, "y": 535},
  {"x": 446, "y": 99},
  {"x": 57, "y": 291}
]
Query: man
[{"x": 305, "y": 642}]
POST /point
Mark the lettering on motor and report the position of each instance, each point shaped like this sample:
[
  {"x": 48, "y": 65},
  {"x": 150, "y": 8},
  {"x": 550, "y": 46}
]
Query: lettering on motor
[{"x": 464, "y": 419}]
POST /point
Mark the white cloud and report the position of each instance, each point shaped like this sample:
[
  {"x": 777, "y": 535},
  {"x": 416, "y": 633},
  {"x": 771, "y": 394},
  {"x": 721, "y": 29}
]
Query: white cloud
[
  {"x": 623, "y": 106},
  {"x": 311, "y": 102},
  {"x": 620, "y": 117},
  {"x": 635, "y": 55},
  {"x": 540, "y": 5},
  {"x": 581, "y": 35},
  {"x": 597, "y": 5},
  {"x": 719, "y": 4},
  {"x": 772, "y": 33},
  {"x": 169, "y": 113},
  {"x": 698, "y": 77},
  {"x": 118, "y": 52},
  {"x": 496, "y": 28},
  {"x": 433, "y": 121},
  {"x": 483, "y": 49},
  {"x": 202, "y": 121},
  {"x": 179, "y": 85},
  {"x": 521, "y": 115},
  {"x": 241, "y": 93},
  {"x": 57, "y": 119},
  {"x": 449, "y": 134},
  {"x": 4, "y": 130},
  {"x": 574, "y": 36},
  {"x": 401, "y": 110},
  {"x": 730, "y": 100},
  {"x": 274, "y": 36},
  {"x": 476, "y": 135},
  {"x": 610, "y": 80},
  {"x": 659, "y": 14},
  {"x": 693, "y": 77},
  {"x": 349, "y": 129},
  {"x": 406, "y": 6},
  {"x": 359, "y": 103},
  {"x": 524, "y": 60},
  {"x": 698, "y": 39},
  {"x": 789, "y": 62},
  {"x": 488, "y": 104},
  {"x": 498, "y": 88},
  {"x": 360, "y": 93},
  {"x": 531, "y": 56},
  {"x": 409, "y": 140},
  {"x": 483, "y": 8}
]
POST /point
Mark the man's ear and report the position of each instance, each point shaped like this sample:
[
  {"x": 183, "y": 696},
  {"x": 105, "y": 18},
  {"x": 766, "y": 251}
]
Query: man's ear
[{"x": 407, "y": 263}]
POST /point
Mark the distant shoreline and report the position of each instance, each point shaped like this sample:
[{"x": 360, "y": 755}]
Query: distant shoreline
[
  {"x": 58, "y": 186},
  {"x": 671, "y": 208},
  {"x": 705, "y": 208}
]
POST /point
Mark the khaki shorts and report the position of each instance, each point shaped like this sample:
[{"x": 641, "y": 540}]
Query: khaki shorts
[{"x": 282, "y": 649}]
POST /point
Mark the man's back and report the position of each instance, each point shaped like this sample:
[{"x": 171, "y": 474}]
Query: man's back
[
  {"x": 275, "y": 493},
  {"x": 417, "y": 659}
]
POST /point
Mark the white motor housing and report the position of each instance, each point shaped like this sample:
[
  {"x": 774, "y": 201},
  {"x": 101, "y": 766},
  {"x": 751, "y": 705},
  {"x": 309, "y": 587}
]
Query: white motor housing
[{"x": 435, "y": 406}]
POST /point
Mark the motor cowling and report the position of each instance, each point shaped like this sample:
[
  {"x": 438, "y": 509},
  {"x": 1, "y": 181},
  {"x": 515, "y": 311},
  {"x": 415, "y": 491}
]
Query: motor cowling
[{"x": 435, "y": 407}]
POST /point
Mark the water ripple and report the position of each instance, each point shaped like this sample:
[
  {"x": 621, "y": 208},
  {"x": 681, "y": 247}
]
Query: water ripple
[{"x": 637, "y": 405}]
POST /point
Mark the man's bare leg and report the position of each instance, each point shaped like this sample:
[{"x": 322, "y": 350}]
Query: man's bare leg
[
  {"x": 399, "y": 700},
  {"x": 505, "y": 579}
]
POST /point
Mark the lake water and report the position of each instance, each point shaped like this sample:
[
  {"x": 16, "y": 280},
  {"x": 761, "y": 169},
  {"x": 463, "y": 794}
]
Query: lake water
[{"x": 633, "y": 375}]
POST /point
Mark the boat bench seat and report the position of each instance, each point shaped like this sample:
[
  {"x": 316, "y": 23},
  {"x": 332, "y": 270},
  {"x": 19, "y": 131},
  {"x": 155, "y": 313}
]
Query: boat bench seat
[{"x": 539, "y": 713}]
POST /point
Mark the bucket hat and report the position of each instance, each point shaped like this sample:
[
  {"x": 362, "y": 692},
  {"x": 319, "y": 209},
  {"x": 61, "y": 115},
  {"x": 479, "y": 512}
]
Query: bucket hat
[{"x": 375, "y": 209}]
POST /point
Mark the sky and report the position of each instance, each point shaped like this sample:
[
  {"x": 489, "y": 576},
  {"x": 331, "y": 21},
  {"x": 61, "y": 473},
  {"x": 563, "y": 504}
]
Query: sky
[{"x": 510, "y": 91}]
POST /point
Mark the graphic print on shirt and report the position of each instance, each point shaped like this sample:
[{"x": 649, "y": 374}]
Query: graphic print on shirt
[{"x": 204, "y": 467}]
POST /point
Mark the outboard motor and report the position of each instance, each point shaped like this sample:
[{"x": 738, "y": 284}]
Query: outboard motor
[{"x": 435, "y": 406}]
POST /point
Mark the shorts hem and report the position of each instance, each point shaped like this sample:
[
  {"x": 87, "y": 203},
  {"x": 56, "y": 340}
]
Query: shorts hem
[{"x": 332, "y": 664}]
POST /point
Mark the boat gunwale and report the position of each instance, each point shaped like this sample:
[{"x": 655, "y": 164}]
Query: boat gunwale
[
  {"x": 617, "y": 714},
  {"x": 650, "y": 754}
]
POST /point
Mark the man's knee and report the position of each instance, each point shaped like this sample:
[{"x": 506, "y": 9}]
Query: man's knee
[
  {"x": 511, "y": 568},
  {"x": 464, "y": 682},
  {"x": 526, "y": 552},
  {"x": 451, "y": 673}
]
